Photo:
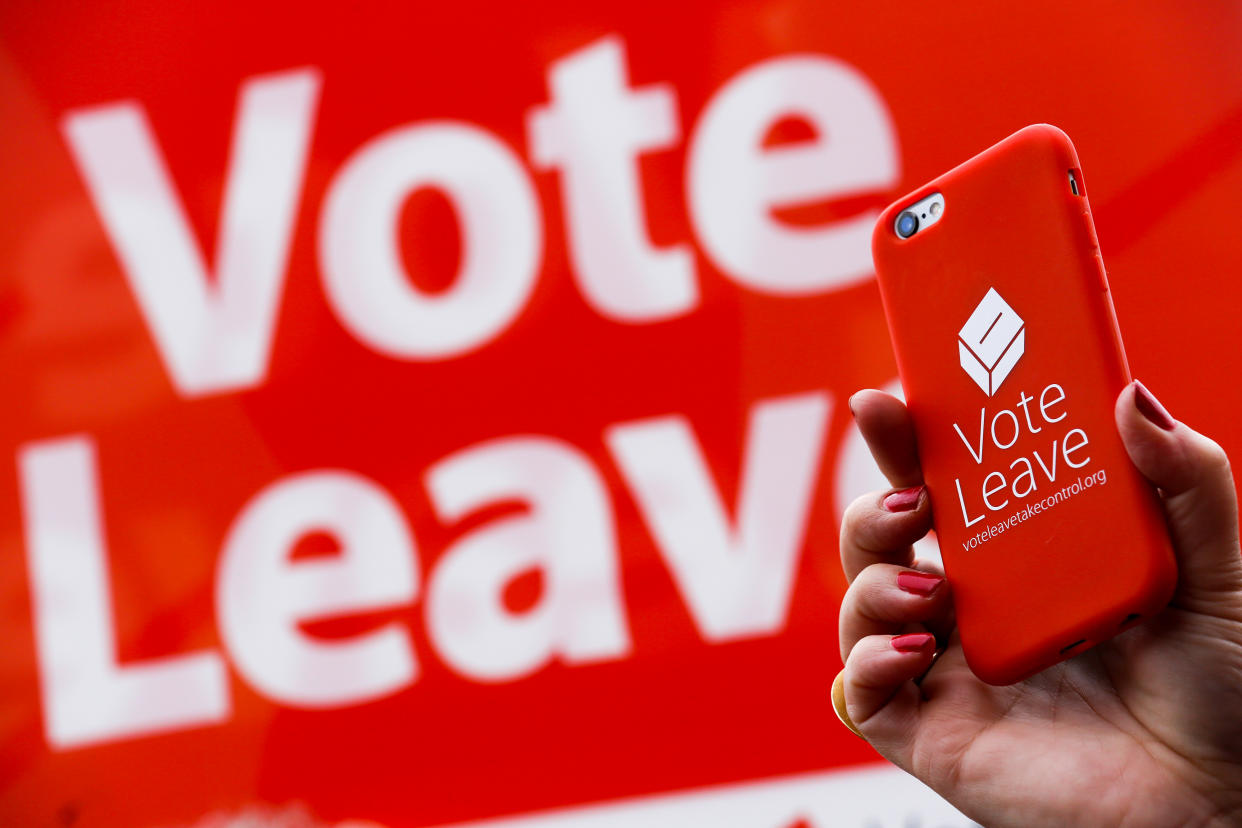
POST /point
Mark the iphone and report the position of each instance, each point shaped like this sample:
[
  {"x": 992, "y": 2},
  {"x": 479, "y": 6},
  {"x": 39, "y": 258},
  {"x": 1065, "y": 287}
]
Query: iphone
[{"x": 1011, "y": 361}]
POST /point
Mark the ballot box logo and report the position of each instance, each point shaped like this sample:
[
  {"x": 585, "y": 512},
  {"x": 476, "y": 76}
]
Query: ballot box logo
[{"x": 991, "y": 342}]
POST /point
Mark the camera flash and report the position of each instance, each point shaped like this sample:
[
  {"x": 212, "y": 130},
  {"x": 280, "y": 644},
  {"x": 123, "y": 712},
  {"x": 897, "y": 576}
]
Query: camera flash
[{"x": 934, "y": 209}]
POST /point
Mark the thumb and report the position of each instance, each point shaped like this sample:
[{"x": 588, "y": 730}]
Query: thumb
[{"x": 1195, "y": 482}]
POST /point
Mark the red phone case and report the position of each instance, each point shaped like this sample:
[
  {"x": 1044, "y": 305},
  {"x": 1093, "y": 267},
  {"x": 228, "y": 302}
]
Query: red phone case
[{"x": 1011, "y": 362}]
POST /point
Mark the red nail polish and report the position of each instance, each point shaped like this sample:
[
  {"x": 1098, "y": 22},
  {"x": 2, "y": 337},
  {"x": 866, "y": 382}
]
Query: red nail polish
[
  {"x": 913, "y": 642},
  {"x": 920, "y": 583},
  {"x": 1151, "y": 408},
  {"x": 904, "y": 500}
]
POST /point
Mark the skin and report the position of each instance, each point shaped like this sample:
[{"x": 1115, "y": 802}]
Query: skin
[{"x": 1144, "y": 730}]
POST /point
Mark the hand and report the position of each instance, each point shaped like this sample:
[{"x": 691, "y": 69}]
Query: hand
[{"x": 1145, "y": 729}]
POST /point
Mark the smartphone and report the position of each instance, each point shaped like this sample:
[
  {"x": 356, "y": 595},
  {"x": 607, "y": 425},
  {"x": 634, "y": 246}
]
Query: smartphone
[{"x": 1011, "y": 362}]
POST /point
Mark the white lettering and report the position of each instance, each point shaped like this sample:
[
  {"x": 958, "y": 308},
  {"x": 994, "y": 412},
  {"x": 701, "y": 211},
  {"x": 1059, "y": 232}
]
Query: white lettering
[
  {"x": 1080, "y": 443},
  {"x": 262, "y": 595},
  {"x": 988, "y": 492},
  {"x": 567, "y": 534},
  {"x": 736, "y": 579},
  {"x": 88, "y": 696},
  {"x": 962, "y": 502},
  {"x": 1051, "y": 475},
  {"x": 1045, "y": 403},
  {"x": 501, "y": 233},
  {"x": 1028, "y": 472},
  {"x": 733, "y": 182},
  {"x": 593, "y": 130},
  {"x": 1016, "y": 430},
  {"x": 213, "y": 334},
  {"x": 977, "y": 454}
]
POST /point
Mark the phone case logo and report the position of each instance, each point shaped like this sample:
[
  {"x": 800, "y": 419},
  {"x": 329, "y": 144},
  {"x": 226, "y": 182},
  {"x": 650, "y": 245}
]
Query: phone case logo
[{"x": 991, "y": 342}]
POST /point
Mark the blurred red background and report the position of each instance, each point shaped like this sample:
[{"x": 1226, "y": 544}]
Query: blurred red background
[{"x": 1149, "y": 93}]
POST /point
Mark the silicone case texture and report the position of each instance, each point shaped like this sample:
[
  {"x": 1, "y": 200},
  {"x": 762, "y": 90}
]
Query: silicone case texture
[{"x": 1011, "y": 362}]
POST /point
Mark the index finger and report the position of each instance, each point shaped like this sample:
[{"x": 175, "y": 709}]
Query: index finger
[{"x": 885, "y": 424}]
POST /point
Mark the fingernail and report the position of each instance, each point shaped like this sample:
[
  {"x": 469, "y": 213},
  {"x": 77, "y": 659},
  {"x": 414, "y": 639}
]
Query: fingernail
[
  {"x": 838, "y": 704},
  {"x": 904, "y": 500},
  {"x": 912, "y": 643},
  {"x": 920, "y": 583},
  {"x": 1151, "y": 408},
  {"x": 850, "y": 403}
]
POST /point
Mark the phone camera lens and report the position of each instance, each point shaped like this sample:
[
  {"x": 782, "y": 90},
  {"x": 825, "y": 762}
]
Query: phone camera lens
[{"x": 907, "y": 224}]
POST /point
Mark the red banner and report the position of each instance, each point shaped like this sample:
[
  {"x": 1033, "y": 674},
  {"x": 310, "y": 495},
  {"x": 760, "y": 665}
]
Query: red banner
[{"x": 436, "y": 413}]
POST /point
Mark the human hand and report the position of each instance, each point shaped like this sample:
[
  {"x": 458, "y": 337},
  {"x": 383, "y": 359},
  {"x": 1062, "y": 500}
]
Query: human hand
[{"x": 1145, "y": 729}]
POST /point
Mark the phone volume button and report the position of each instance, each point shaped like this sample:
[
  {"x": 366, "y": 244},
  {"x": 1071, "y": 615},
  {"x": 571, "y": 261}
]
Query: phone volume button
[
  {"x": 1086, "y": 219},
  {"x": 1099, "y": 269}
]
